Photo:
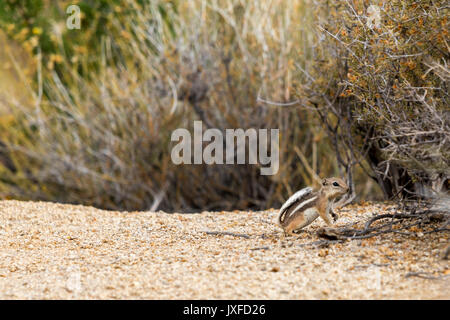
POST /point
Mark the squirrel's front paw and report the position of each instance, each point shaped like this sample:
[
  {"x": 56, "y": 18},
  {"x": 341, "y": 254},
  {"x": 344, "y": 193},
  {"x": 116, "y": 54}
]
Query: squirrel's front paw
[{"x": 335, "y": 216}]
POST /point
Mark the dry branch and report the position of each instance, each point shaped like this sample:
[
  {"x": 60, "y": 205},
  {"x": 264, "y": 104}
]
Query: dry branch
[
  {"x": 226, "y": 233},
  {"x": 424, "y": 217},
  {"x": 426, "y": 275}
]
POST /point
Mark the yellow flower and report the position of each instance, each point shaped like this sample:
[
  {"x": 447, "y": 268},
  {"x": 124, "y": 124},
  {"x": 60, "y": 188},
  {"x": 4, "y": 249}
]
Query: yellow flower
[
  {"x": 34, "y": 41},
  {"x": 56, "y": 58},
  {"x": 36, "y": 30},
  {"x": 74, "y": 59},
  {"x": 27, "y": 46},
  {"x": 22, "y": 34},
  {"x": 125, "y": 34},
  {"x": 80, "y": 49}
]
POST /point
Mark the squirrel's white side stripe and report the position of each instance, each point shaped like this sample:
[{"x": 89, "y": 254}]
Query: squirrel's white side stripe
[
  {"x": 295, "y": 197},
  {"x": 302, "y": 205}
]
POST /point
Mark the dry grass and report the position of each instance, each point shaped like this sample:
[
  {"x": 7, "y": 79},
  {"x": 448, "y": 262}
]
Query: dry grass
[{"x": 97, "y": 130}]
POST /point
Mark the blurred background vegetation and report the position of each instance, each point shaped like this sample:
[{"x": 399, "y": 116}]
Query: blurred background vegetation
[{"x": 86, "y": 115}]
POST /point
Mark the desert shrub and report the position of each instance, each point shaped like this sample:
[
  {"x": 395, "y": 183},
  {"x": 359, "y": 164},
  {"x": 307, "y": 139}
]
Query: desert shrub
[
  {"x": 379, "y": 83},
  {"x": 98, "y": 128}
]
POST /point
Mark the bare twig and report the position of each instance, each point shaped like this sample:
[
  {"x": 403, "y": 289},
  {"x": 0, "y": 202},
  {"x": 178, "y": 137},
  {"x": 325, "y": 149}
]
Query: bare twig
[
  {"x": 426, "y": 275},
  {"x": 226, "y": 233}
]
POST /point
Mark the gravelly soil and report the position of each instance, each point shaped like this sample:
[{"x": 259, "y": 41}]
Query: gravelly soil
[{"x": 55, "y": 251}]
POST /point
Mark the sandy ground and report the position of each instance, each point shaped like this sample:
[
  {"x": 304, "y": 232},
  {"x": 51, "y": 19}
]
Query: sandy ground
[{"x": 55, "y": 251}]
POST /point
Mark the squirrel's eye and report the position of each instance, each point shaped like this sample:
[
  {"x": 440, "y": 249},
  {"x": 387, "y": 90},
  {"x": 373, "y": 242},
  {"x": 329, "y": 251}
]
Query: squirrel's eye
[{"x": 335, "y": 184}]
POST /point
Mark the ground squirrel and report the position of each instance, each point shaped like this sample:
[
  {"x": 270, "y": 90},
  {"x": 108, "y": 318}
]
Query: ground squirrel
[{"x": 306, "y": 205}]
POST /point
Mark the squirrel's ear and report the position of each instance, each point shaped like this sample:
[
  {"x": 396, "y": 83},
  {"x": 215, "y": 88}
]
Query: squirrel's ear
[{"x": 324, "y": 182}]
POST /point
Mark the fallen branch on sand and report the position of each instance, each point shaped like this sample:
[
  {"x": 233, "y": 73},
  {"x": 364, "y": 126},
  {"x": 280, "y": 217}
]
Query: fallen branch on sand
[
  {"x": 426, "y": 275},
  {"x": 396, "y": 219}
]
